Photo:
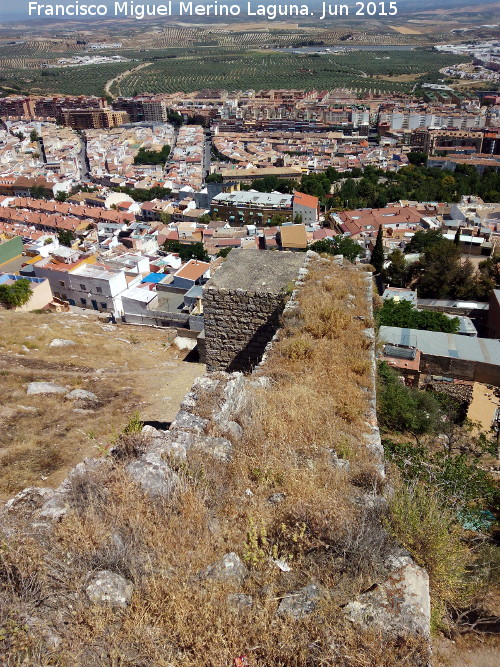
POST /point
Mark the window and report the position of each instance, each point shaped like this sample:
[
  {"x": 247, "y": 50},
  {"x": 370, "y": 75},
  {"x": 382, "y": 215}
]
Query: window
[
  {"x": 61, "y": 282},
  {"x": 104, "y": 305},
  {"x": 99, "y": 290},
  {"x": 83, "y": 301},
  {"x": 82, "y": 287}
]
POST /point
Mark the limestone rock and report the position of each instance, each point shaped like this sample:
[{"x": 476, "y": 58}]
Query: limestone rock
[
  {"x": 341, "y": 464},
  {"x": 31, "y": 498},
  {"x": 220, "y": 448},
  {"x": 45, "y": 388},
  {"x": 61, "y": 342},
  {"x": 188, "y": 422},
  {"x": 300, "y": 603},
  {"x": 228, "y": 568},
  {"x": 276, "y": 498},
  {"x": 400, "y": 605},
  {"x": 81, "y": 395},
  {"x": 55, "y": 507},
  {"x": 153, "y": 475},
  {"x": 110, "y": 588}
]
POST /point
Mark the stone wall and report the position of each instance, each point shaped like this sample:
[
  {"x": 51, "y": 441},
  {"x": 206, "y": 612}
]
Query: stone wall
[
  {"x": 242, "y": 305},
  {"x": 212, "y": 419}
]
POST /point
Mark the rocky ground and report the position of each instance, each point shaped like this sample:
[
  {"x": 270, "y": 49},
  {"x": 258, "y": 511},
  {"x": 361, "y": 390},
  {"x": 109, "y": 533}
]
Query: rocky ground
[{"x": 98, "y": 375}]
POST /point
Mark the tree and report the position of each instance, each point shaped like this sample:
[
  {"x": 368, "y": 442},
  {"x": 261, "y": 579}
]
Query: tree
[
  {"x": 214, "y": 178},
  {"x": 424, "y": 239},
  {"x": 187, "y": 251},
  {"x": 339, "y": 245},
  {"x": 145, "y": 156},
  {"x": 17, "y": 294},
  {"x": 204, "y": 219},
  {"x": 377, "y": 258},
  {"x": 417, "y": 158},
  {"x": 277, "y": 220},
  {"x": 34, "y": 136},
  {"x": 224, "y": 252},
  {"x": 396, "y": 273},
  {"x": 38, "y": 192},
  {"x": 298, "y": 220},
  {"x": 456, "y": 240},
  {"x": 66, "y": 237},
  {"x": 404, "y": 314},
  {"x": 61, "y": 196}
]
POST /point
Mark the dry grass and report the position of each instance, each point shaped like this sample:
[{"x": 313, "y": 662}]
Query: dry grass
[
  {"x": 317, "y": 402},
  {"x": 129, "y": 369}
]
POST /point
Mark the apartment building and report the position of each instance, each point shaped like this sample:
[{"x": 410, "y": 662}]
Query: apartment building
[
  {"x": 85, "y": 119},
  {"x": 247, "y": 208}
]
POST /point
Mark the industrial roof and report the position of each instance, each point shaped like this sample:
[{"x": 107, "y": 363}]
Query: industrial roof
[
  {"x": 253, "y": 197},
  {"x": 439, "y": 344}
]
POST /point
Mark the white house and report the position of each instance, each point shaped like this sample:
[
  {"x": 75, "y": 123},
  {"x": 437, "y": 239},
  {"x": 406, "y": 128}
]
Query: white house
[{"x": 306, "y": 206}]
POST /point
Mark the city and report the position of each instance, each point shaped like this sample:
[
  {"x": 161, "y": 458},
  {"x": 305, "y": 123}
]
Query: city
[{"x": 250, "y": 340}]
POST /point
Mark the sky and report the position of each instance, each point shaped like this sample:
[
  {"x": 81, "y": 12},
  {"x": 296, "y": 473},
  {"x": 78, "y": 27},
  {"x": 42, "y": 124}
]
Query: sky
[{"x": 15, "y": 9}]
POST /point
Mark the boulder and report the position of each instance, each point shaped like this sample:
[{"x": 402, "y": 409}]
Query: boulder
[
  {"x": 45, "y": 388},
  {"x": 301, "y": 602},
  {"x": 220, "y": 448},
  {"x": 186, "y": 421},
  {"x": 61, "y": 342},
  {"x": 230, "y": 567},
  {"x": 153, "y": 475},
  {"x": 28, "y": 499},
  {"x": 109, "y": 588},
  {"x": 55, "y": 507},
  {"x": 400, "y": 605}
]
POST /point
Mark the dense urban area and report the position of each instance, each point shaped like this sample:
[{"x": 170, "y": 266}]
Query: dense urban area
[{"x": 330, "y": 254}]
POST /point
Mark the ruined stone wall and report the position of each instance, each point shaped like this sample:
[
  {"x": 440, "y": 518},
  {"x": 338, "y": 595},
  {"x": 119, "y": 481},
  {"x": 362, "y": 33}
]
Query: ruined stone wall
[
  {"x": 238, "y": 326},
  {"x": 242, "y": 305},
  {"x": 212, "y": 419}
]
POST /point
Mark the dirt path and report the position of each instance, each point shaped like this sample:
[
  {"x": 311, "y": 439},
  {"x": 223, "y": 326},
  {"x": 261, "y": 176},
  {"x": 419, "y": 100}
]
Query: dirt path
[
  {"x": 120, "y": 77},
  {"x": 467, "y": 651}
]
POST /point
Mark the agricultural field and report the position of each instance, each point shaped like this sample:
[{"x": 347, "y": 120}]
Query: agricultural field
[
  {"x": 254, "y": 70},
  {"x": 197, "y": 67},
  {"x": 88, "y": 80}
]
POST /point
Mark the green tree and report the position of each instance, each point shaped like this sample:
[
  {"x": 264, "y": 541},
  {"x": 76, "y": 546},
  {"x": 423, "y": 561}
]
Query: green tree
[
  {"x": 404, "y": 314},
  {"x": 214, "y": 178},
  {"x": 224, "y": 252},
  {"x": 165, "y": 217},
  {"x": 61, "y": 196},
  {"x": 339, "y": 245},
  {"x": 187, "y": 251},
  {"x": 277, "y": 220},
  {"x": 423, "y": 239},
  {"x": 38, "y": 192},
  {"x": 34, "y": 136},
  {"x": 15, "y": 295},
  {"x": 145, "y": 156},
  {"x": 397, "y": 272},
  {"x": 66, "y": 237},
  {"x": 456, "y": 239},
  {"x": 417, "y": 158},
  {"x": 377, "y": 258},
  {"x": 298, "y": 220}
]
